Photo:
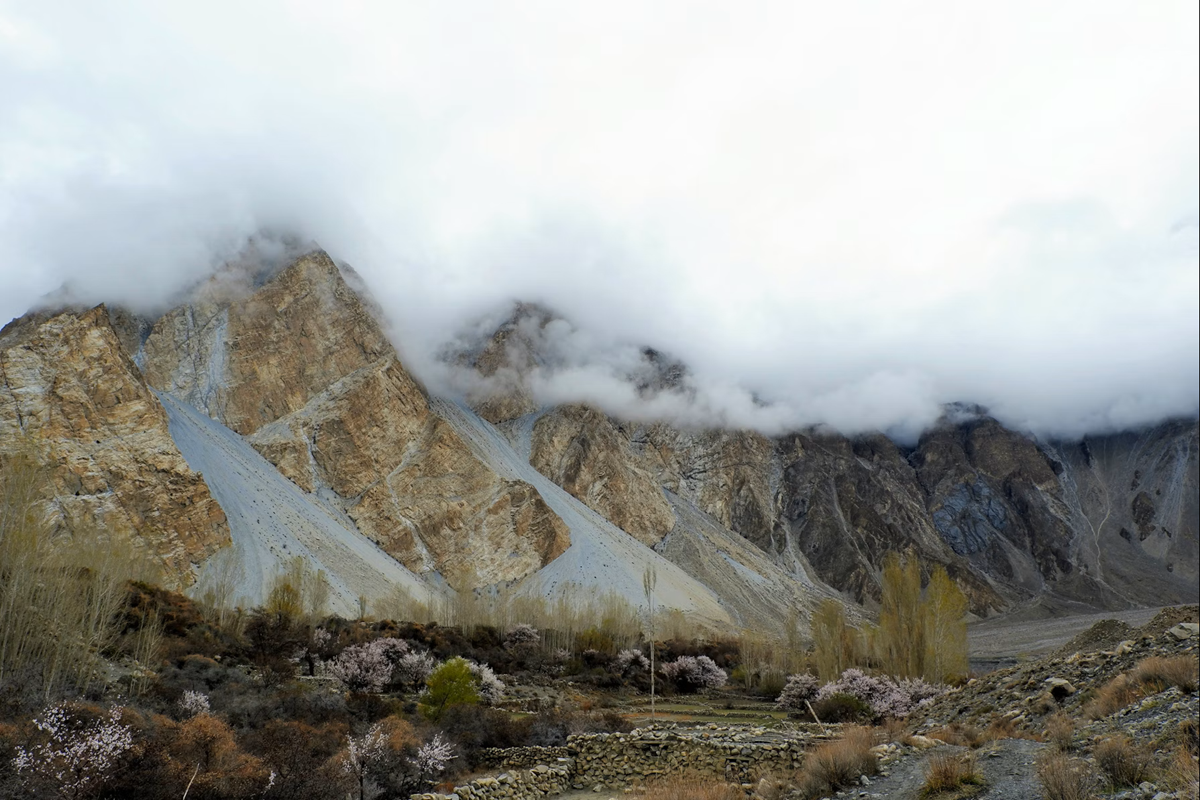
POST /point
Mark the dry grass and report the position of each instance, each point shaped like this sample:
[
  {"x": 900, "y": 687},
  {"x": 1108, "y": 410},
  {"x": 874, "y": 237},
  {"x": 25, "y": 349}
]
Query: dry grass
[
  {"x": 1066, "y": 778},
  {"x": 894, "y": 730},
  {"x": 1157, "y": 673},
  {"x": 950, "y": 772},
  {"x": 1182, "y": 774},
  {"x": 838, "y": 764},
  {"x": 959, "y": 734},
  {"x": 1123, "y": 762},
  {"x": 1060, "y": 732},
  {"x": 1151, "y": 675},
  {"x": 1118, "y": 693},
  {"x": 692, "y": 790}
]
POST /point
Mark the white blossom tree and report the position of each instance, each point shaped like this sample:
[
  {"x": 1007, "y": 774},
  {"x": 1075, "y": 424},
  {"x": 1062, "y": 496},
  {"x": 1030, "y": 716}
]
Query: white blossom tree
[{"x": 77, "y": 756}]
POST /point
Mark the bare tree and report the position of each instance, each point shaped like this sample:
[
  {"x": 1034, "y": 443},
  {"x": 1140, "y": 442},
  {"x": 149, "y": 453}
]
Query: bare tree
[{"x": 649, "y": 581}]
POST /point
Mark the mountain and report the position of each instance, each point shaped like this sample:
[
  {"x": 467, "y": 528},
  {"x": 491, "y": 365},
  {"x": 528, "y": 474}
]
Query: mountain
[{"x": 269, "y": 413}]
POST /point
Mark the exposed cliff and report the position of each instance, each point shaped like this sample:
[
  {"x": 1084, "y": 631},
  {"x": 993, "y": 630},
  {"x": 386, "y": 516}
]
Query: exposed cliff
[
  {"x": 1105, "y": 523},
  {"x": 69, "y": 390},
  {"x": 300, "y": 366}
]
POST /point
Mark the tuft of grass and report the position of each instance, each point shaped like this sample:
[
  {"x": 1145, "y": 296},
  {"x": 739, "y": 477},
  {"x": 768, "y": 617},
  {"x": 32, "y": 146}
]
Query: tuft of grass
[
  {"x": 692, "y": 790},
  {"x": 952, "y": 773},
  {"x": 1060, "y": 732},
  {"x": 838, "y": 764},
  {"x": 1110, "y": 698},
  {"x": 1150, "y": 676},
  {"x": 1066, "y": 778},
  {"x": 959, "y": 734},
  {"x": 1123, "y": 762},
  {"x": 1182, "y": 774},
  {"x": 1157, "y": 673}
]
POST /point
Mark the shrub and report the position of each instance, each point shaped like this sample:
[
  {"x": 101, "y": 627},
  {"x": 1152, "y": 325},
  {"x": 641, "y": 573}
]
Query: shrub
[
  {"x": 77, "y": 751},
  {"x": 694, "y": 673},
  {"x": 369, "y": 667},
  {"x": 960, "y": 735},
  {"x": 1112, "y": 697},
  {"x": 301, "y": 756},
  {"x": 522, "y": 636},
  {"x": 1123, "y": 762},
  {"x": 838, "y": 764},
  {"x": 193, "y": 703},
  {"x": 843, "y": 708},
  {"x": 1156, "y": 673},
  {"x": 692, "y": 790},
  {"x": 1182, "y": 774},
  {"x": 1066, "y": 778},
  {"x": 800, "y": 689},
  {"x": 1060, "y": 731},
  {"x": 412, "y": 670},
  {"x": 949, "y": 773},
  {"x": 490, "y": 688},
  {"x": 630, "y": 662},
  {"x": 451, "y": 684},
  {"x": 885, "y": 697}
]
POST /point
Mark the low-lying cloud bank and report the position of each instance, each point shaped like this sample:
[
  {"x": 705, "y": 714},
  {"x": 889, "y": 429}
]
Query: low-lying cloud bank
[{"x": 840, "y": 215}]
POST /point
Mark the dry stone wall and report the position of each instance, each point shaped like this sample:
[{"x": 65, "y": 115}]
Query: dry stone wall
[
  {"x": 604, "y": 761},
  {"x": 521, "y": 757},
  {"x": 540, "y": 781},
  {"x": 735, "y": 755}
]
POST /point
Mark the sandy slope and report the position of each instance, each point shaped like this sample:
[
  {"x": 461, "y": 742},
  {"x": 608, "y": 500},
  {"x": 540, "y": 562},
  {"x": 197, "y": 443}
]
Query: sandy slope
[{"x": 272, "y": 520}]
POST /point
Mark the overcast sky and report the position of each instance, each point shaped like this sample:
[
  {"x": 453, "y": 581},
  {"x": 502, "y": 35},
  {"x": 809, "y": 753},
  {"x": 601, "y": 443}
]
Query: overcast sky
[{"x": 854, "y": 211}]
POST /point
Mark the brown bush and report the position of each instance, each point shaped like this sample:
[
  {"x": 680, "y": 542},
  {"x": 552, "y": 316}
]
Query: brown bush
[
  {"x": 1123, "y": 762},
  {"x": 1066, "y": 778},
  {"x": 1182, "y": 774},
  {"x": 1157, "y": 673},
  {"x": 692, "y": 790},
  {"x": 1112, "y": 697},
  {"x": 959, "y": 734},
  {"x": 837, "y": 764},
  {"x": 1060, "y": 732},
  {"x": 301, "y": 756},
  {"x": 950, "y": 772}
]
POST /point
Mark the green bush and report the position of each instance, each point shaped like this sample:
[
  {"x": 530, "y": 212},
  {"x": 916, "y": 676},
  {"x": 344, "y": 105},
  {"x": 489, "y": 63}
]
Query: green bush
[
  {"x": 451, "y": 684},
  {"x": 843, "y": 708}
]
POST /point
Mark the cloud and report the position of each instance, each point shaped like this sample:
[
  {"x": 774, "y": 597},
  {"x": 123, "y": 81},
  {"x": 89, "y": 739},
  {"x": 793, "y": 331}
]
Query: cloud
[{"x": 849, "y": 213}]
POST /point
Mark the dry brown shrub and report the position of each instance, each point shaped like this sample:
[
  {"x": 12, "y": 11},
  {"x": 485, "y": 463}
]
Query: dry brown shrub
[
  {"x": 1122, "y": 761},
  {"x": 1112, "y": 697},
  {"x": 894, "y": 730},
  {"x": 1005, "y": 728},
  {"x": 1060, "y": 731},
  {"x": 1066, "y": 778},
  {"x": 1182, "y": 774},
  {"x": 1156, "y": 673},
  {"x": 679, "y": 789},
  {"x": 950, "y": 772},
  {"x": 959, "y": 734},
  {"x": 837, "y": 764}
]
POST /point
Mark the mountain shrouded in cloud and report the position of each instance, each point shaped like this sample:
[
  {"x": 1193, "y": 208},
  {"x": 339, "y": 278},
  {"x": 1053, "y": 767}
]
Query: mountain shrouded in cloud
[{"x": 839, "y": 214}]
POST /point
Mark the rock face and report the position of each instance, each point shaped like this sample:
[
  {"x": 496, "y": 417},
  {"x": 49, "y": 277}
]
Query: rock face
[
  {"x": 69, "y": 390},
  {"x": 300, "y": 367},
  {"x": 582, "y": 451},
  {"x": 1110, "y": 522},
  {"x": 745, "y": 528}
]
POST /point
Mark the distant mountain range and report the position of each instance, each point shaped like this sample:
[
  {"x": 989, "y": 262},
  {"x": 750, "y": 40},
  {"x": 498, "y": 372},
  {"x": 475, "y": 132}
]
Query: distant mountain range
[{"x": 269, "y": 412}]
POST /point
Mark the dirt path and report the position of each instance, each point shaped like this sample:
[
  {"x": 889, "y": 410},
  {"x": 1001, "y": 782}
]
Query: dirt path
[{"x": 1008, "y": 768}]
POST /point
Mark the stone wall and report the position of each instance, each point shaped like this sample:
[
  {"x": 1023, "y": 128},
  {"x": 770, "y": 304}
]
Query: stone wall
[
  {"x": 520, "y": 785},
  {"x": 602, "y": 761},
  {"x": 520, "y": 757},
  {"x": 735, "y": 755}
]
